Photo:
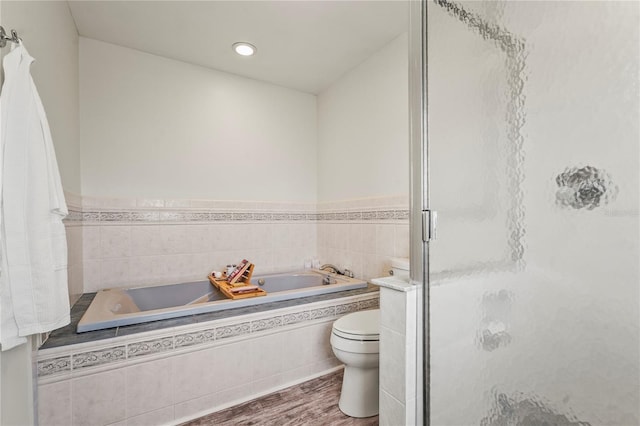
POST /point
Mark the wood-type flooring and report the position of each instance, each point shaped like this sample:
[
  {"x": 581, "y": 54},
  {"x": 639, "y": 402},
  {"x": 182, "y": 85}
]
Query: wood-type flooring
[{"x": 310, "y": 403}]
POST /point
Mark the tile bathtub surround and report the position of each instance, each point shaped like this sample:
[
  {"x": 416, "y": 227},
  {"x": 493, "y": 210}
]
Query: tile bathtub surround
[
  {"x": 363, "y": 244},
  {"x": 67, "y": 335},
  {"x": 185, "y": 372},
  {"x": 142, "y": 242}
]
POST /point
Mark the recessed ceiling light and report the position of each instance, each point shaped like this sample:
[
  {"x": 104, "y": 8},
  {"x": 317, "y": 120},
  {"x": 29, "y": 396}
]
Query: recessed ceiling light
[{"x": 244, "y": 49}]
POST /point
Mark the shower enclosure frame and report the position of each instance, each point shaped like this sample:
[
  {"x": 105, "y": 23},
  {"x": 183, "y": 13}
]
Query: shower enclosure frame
[
  {"x": 422, "y": 216},
  {"x": 419, "y": 197}
]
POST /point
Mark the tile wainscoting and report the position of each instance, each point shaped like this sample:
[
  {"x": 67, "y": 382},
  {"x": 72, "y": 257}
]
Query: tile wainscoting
[
  {"x": 140, "y": 242},
  {"x": 172, "y": 375}
]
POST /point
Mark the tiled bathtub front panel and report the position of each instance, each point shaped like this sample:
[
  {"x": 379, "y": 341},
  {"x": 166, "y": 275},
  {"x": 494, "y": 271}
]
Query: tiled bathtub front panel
[{"x": 185, "y": 373}]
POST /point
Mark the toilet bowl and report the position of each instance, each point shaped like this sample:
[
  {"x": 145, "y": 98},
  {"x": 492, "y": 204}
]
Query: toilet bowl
[{"x": 355, "y": 342}]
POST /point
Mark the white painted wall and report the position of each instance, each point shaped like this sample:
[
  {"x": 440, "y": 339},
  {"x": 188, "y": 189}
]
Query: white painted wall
[
  {"x": 155, "y": 127},
  {"x": 49, "y": 34},
  {"x": 363, "y": 122}
]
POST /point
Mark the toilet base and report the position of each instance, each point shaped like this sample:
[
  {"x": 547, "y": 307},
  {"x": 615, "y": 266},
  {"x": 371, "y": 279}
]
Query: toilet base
[{"x": 359, "y": 395}]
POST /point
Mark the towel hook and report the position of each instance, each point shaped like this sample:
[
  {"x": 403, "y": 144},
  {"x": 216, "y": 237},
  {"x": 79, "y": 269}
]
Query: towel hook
[{"x": 4, "y": 38}]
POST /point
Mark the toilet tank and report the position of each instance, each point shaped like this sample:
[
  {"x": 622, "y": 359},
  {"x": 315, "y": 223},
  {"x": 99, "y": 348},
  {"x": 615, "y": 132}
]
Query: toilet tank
[{"x": 400, "y": 267}]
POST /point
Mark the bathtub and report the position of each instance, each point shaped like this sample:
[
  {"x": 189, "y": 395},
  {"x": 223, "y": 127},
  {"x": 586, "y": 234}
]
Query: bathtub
[{"x": 119, "y": 307}]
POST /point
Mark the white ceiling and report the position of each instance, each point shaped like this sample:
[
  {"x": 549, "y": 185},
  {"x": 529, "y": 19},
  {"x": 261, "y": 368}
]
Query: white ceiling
[{"x": 304, "y": 45}]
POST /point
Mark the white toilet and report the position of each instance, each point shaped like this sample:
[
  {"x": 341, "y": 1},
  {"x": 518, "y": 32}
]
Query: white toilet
[{"x": 355, "y": 340}]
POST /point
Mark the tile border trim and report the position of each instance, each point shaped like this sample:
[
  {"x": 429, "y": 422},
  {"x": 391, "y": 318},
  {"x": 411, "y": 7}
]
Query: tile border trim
[
  {"x": 84, "y": 217},
  {"x": 84, "y": 358}
]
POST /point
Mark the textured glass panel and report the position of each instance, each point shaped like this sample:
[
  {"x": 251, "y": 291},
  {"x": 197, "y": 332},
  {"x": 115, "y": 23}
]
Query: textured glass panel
[{"x": 533, "y": 111}]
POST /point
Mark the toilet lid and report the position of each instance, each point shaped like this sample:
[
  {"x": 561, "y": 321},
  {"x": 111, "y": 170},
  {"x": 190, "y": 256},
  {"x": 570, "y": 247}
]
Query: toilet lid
[{"x": 364, "y": 325}]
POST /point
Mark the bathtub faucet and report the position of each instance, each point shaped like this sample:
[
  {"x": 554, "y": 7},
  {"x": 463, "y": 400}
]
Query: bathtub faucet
[{"x": 334, "y": 269}]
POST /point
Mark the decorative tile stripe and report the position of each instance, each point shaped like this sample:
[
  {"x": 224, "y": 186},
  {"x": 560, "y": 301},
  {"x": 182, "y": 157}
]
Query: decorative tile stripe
[
  {"x": 322, "y": 312},
  {"x": 115, "y": 216},
  {"x": 77, "y": 361},
  {"x": 93, "y": 358},
  {"x": 74, "y": 216},
  {"x": 54, "y": 365},
  {"x": 172, "y": 216},
  {"x": 233, "y": 330},
  {"x": 295, "y": 318},
  {"x": 346, "y": 308},
  {"x": 149, "y": 347},
  {"x": 368, "y": 304},
  {"x": 145, "y": 216},
  {"x": 266, "y": 324},
  {"x": 195, "y": 338}
]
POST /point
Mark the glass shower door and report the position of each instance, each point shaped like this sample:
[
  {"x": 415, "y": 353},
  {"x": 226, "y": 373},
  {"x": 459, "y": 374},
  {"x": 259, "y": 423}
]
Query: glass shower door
[{"x": 534, "y": 281}]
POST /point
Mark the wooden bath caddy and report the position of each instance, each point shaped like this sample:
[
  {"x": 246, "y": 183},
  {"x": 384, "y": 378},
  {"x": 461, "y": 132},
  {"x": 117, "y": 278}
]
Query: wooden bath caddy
[{"x": 235, "y": 290}]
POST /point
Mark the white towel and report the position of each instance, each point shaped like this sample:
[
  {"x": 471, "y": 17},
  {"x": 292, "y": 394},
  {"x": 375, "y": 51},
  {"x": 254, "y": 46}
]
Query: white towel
[{"x": 33, "y": 278}]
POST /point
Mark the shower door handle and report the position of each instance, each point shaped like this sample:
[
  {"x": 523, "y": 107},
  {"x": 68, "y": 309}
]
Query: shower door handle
[{"x": 429, "y": 225}]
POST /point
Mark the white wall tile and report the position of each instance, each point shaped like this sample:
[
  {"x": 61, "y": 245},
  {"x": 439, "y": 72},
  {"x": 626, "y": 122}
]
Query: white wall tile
[
  {"x": 355, "y": 239},
  {"x": 115, "y": 241},
  {"x": 211, "y": 402},
  {"x": 114, "y": 273},
  {"x": 392, "y": 411},
  {"x": 175, "y": 239},
  {"x": 98, "y": 399},
  {"x": 147, "y": 270},
  {"x": 91, "y": 242},
  {"x": 191, "y": 374},
  {"x": 149, "y": 387},
  {"x": 74, "y": 245},
  {"x": 271, "y": 350},
  {"x": 54, "y": 404},
  {"x": 76, "y": 282},
  {"x": 385, "y": 240},
  {"x": 198, "y": 238},
  {"x": 158, "y": 417},
  {"x": 392, "y": 363},
  {"x": 92, "y": 275},
  {"x": 146, "y": 240},
  {"x": 208, "y": 371},
  {"x": 401, "y": 244},
  {"x": 266, "y": 384},
  {"x": 393, "y": 314},
  {"x": 149, "y": 203},
  {"x": 369, "y": 238}
]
